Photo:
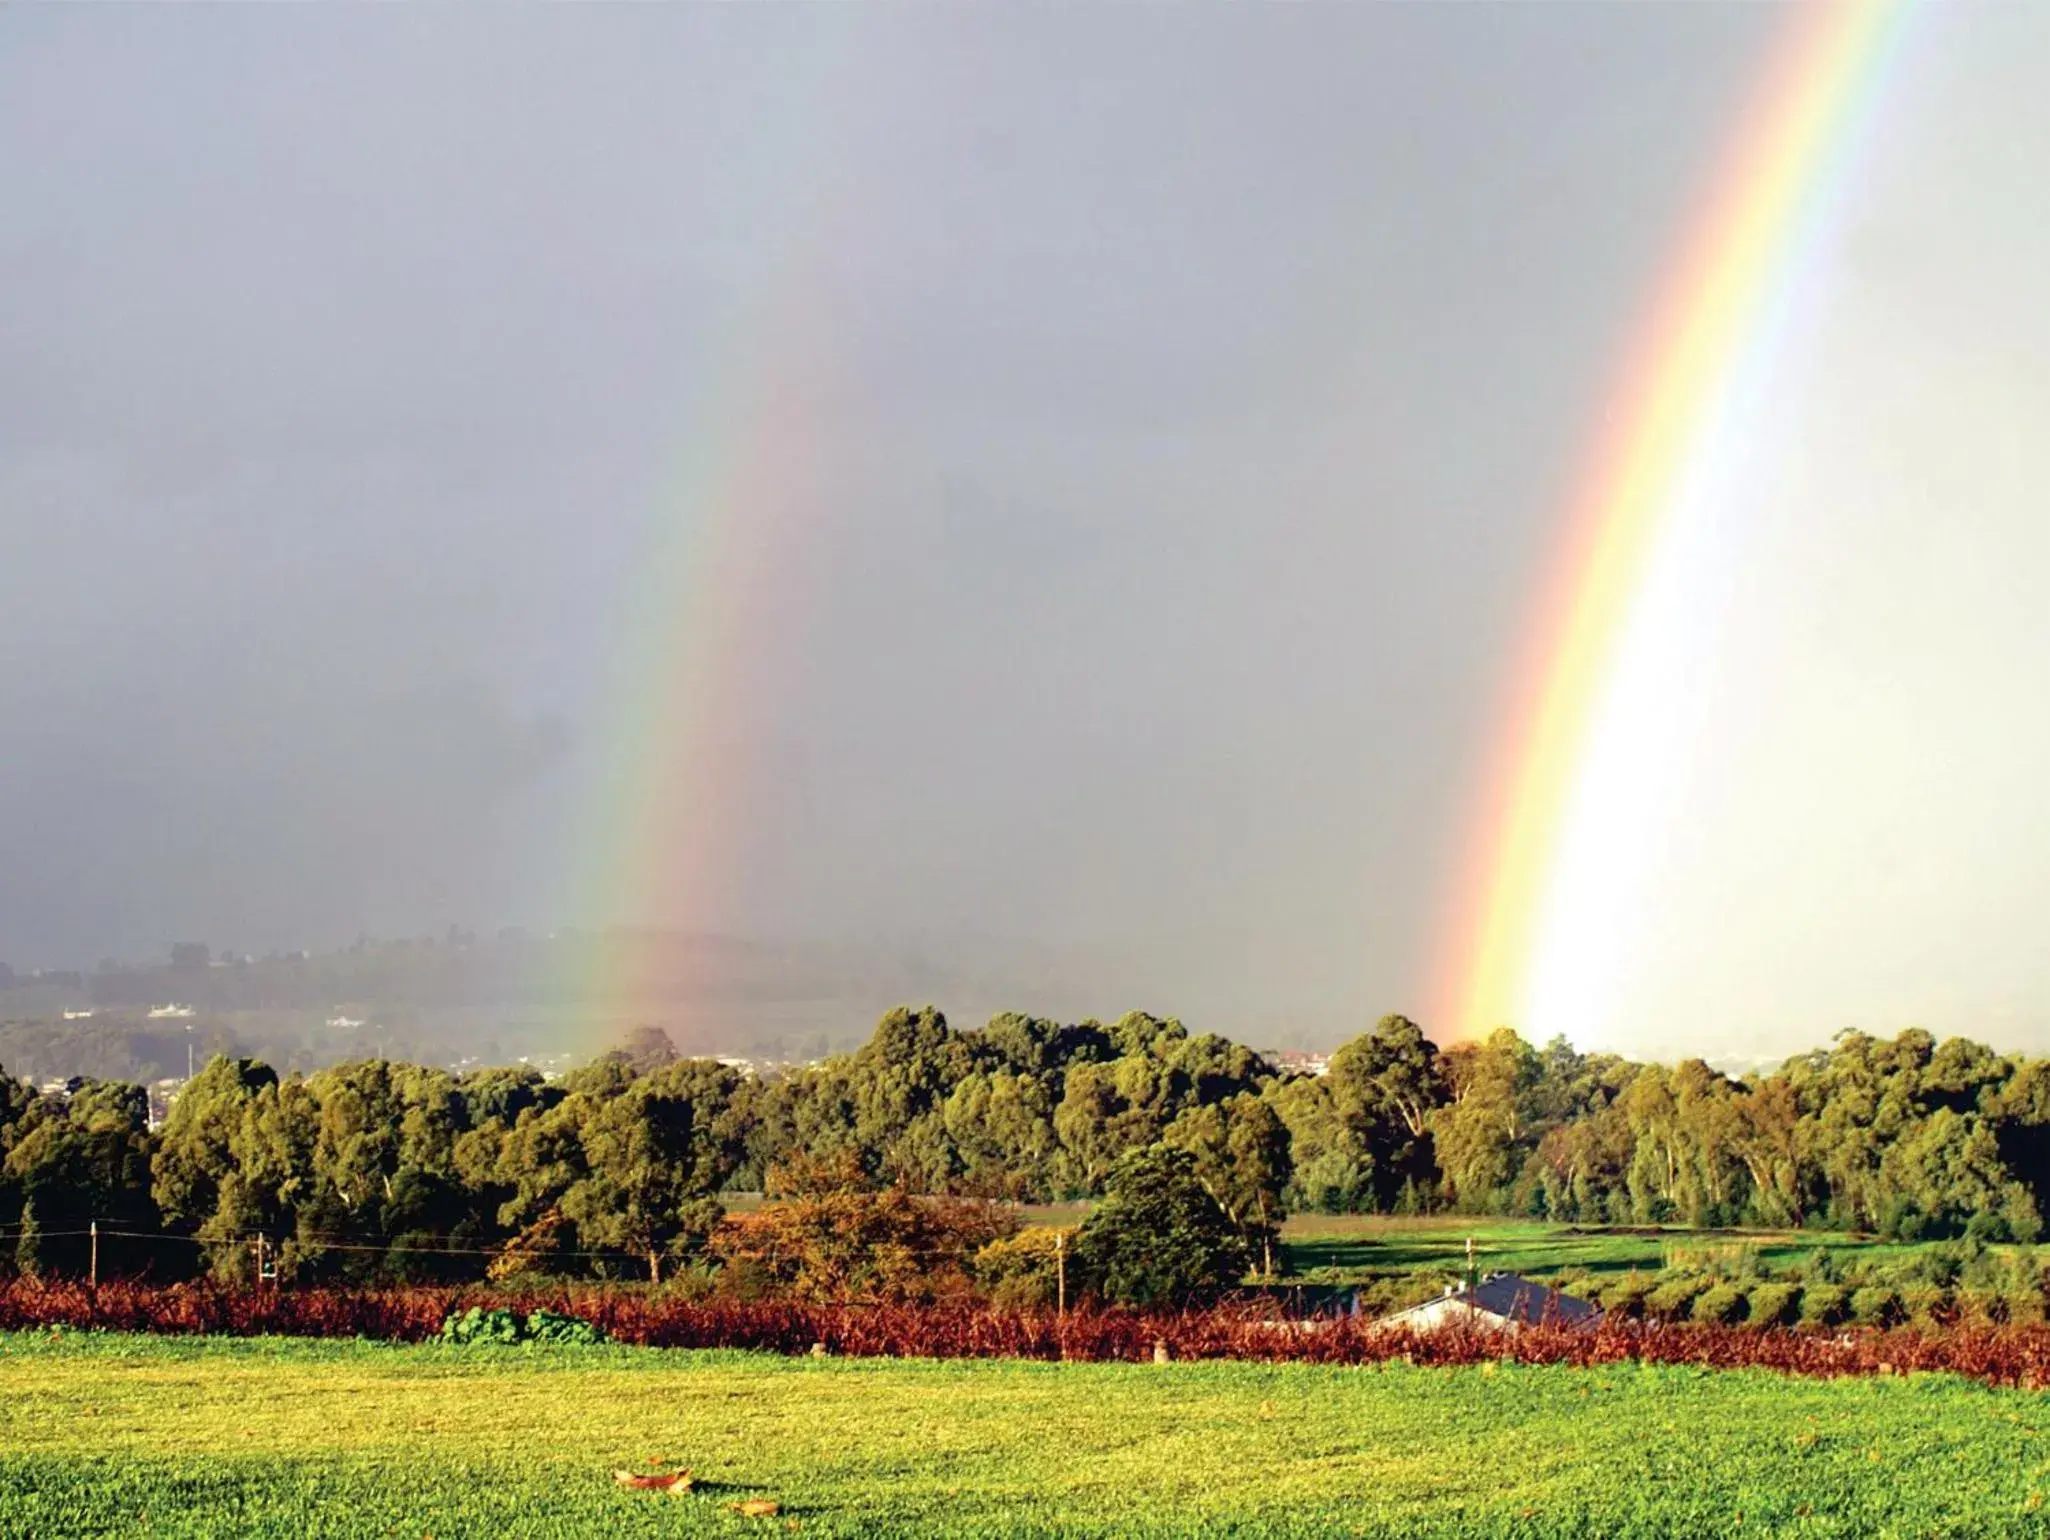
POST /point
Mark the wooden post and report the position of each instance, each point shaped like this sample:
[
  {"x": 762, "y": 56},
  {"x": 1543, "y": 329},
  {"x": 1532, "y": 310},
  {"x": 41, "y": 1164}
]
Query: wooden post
[
  {"x": 93, "y": 1268},
  {"x": 1060, "y": 1262},
  {"x": 1266, "y": 1241}
]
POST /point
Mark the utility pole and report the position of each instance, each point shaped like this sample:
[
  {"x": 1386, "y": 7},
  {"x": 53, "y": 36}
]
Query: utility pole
[
  {"x": 93, "y": 1268},
  {"x": 188, "y": 1050},
  {"x": 1473, "y": 1278},
  {"x": 1060, "y": 1262}
]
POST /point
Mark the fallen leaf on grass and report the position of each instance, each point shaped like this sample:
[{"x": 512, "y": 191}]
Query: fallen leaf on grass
[
  {"x": 757, "y": 1508},
  {"x": 676, "y": 1481}
]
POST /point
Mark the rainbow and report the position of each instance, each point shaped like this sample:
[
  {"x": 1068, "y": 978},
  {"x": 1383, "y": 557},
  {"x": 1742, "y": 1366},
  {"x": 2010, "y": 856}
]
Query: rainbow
[
  {"x": 714, "y": 604},
  {"x": 1693, "y": 363},
  {"x": 700, "y": 653}
]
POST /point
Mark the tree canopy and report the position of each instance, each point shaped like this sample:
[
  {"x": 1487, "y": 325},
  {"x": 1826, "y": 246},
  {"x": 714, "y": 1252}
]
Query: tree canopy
[{"x": 378, "y": 1168}]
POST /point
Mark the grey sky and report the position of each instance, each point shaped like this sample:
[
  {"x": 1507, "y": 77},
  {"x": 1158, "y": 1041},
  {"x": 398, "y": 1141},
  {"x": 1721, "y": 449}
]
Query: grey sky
[{"x": 1196, "y": 389}]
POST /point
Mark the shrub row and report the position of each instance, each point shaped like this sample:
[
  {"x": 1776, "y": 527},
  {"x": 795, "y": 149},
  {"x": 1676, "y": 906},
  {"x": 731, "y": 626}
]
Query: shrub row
[
  {"x": 2001, "y": 1355},
  {"x": 1775, "y": 1302}
]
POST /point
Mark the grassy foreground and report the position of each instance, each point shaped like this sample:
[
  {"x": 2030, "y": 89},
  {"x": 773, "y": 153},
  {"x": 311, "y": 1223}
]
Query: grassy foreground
[{"x": 131, "y": 1435}]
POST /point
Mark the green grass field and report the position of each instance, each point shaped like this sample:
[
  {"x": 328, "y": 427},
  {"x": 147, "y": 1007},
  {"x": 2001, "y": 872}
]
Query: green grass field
[
  {"x": 130, "y": 1435},
  {"x": 1355, "y": 1248},
  {"x": 1360, "y": 1248},
  {"x": 1363, "y": 1248}
]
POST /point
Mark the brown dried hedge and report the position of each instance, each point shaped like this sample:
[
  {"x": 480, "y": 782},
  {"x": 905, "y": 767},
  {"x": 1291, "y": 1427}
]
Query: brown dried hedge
[{"x": 1999, "y": 1355}]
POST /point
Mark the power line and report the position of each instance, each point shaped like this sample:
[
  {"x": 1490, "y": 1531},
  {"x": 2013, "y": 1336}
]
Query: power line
[{"x": 324, "y": 1243}]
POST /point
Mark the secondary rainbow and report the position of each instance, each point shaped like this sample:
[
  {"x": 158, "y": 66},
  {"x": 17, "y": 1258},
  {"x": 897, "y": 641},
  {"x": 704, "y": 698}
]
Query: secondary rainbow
[
  {"x": 693, "y": 669},
  {"x": 698, "y": 656},
  {"x": 713, "y": 600},
  {"x": 1716, "y": 313}
]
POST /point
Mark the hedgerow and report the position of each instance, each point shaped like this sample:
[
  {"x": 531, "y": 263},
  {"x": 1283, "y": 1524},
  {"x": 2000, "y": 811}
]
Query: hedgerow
[{"x": 2000, "y": 1355}]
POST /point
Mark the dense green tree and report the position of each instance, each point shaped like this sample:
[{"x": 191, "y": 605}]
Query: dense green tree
[
  {"x": 1580, "y": 1170},
  {"x": 74, "y": 1160},
  {"x": 196, "y": 1147},
  {"x": 1241, "y": 1152},
  {"x": 653, "y": 1159},
  {"x": 1332, "y": 1154},
  {"x": 1483, "y": 1133},
  {"x": 1001, "y": 1128},
  {"x": 1387, "y": 1086},
  {"x": 1032, "y": 1045},
  {"x": 1158, "y": 1238},
  {"x": 1766, "y": 1139},
  {"x": 1108, "y": 1110}
]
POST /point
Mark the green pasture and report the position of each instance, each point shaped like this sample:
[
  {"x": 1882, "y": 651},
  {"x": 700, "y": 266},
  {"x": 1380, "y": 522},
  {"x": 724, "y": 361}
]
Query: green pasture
[
  {"x": 166, "y": 1436},
  {"x": 1360, "y": 1248},
  {"x": 1364, "y": 1248},
  {"x": 1357, "y": 1248}
]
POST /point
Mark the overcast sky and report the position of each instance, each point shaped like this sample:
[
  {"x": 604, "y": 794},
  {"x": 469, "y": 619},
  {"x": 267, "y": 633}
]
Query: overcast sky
[{"x": 1191, "y": 397}]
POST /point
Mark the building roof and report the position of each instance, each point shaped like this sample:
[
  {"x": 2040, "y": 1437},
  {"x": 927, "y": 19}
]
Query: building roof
[
  {"x": 1508, "y": 1299},
  {"x": 1518, "y": 1299}
]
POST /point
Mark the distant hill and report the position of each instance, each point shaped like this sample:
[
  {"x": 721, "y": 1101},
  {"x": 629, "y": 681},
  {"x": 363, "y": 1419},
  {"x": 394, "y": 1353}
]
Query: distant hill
[
  {"x": 458, "y": 997},
  {"x": 462, "y": 997}
]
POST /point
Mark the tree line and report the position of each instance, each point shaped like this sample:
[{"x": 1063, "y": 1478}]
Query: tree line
[{"x": 387, "y": 1169}]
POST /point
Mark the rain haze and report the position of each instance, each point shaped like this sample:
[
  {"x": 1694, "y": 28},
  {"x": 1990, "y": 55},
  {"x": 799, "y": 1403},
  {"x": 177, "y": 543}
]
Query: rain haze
[{"x": 1187, "y": 401}]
